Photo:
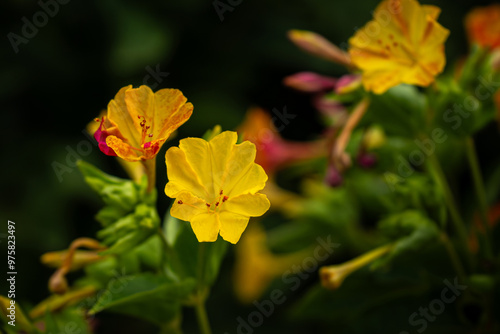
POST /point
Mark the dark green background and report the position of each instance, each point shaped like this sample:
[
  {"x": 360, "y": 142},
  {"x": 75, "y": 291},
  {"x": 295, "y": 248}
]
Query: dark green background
[{"x": 66, "y": 74}]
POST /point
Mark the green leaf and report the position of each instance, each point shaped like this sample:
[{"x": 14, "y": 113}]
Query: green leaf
[
  {"x": 69, "y": 320},
  {"x": 400, "y": 111},
  {"x": 147, "y": 296},
  {"x": 412, "y": 230},
  {"x": 183, "y": 256}
]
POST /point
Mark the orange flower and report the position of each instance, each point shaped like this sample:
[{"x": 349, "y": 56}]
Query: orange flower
[
  {"x": 139, "y": 121},
  {"x": 274, "y": 152},
  {"x": 402, "y": 44},
  {"x": 483, "y": 26}
]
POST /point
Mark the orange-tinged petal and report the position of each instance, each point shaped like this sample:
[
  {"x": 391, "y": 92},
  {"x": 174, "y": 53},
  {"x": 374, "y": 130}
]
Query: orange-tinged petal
[
  {"x": 122, "y": 149},
  {"x": 402, "y": 44},
  {"x": 123, "y": 122},
  {"x": 232, "y": 226},
  {"x": 206, "y": 226},
  {"x": 432, "y": 11},
  {"x": 171, "y": 111},
  {"x": 142, "y": 121}
]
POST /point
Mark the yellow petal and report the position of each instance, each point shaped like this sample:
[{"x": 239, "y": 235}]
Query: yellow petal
[
  {"x": 122, "y": 149},
  {"x": 222, "y": 147},
  {"x": 249, "y": 182},
  {"x": 206, "y": 226},
  {"x": 232, "y": 226},
  {"x": 403, "y": 44},
  {"x": 432, "y": 11},
  {"x": 209, "y": 160},
  {"x": 186, "y": 206},
  {"x": 181, "y": 175},
  {"x": 243, "y": 175},
  {"x": 140, "y": 102},
  {"x": 122, "y": 119},
  {"x": 170, "y": 112},
  {"x": 247, "y": 205}
]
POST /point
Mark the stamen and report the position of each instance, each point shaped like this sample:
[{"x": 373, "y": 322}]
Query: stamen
[
  {"x": 180, "y": 202},
  {"x": 217, "y": 204},
  {"x": 225, "y": 199},
  {"x": 208, "y": 205}
]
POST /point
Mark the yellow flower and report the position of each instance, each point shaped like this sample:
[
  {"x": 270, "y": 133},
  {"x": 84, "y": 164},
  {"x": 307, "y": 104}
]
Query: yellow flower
[
  {"x": 139, "y": 121},
  {"x": 256, "y": 266},
  {"x": 402, "y": 44},
  {"x": 215, "y": 185}
]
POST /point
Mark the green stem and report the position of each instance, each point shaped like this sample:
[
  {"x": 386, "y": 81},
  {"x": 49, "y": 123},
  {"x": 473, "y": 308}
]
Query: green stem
[
  {"x": 456, "y": 218},
  {"x": 470, "y": 150},
  {"x": 150, "y": 166},
  {"x": 166, "y": 249},
  {"x": 455, "y": 260},
  {"x": 201, "y": 313},
  {"x": 201, "y": 265}
]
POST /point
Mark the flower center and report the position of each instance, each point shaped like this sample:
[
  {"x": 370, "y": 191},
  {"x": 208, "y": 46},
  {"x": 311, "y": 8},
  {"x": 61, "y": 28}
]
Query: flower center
[
  {"x": 211, "y": 207},
  {"x": 144, "y": 131},
  {"x": 216, "y": 204}
]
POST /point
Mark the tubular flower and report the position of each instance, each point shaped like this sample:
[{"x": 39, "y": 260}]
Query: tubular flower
[
  {"x": 139, "y": 121},
  {"x": 402, "y": 44},
  {"x": 333, "y": 276},
  {"x": 483, "y": 26},
  {"x": 215, "y": 185}
]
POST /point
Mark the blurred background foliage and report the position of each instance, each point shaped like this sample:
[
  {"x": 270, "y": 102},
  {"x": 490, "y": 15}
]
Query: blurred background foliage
[{"x": 66, "y": 74}]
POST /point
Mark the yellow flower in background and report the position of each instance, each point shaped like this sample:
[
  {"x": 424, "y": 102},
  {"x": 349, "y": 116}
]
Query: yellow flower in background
[
  {"x": 402, "y": 44},
  {"x": 215, "y": 185},
  {"x": 139, "y": 121},
  {"x": 257, "y": 266}
]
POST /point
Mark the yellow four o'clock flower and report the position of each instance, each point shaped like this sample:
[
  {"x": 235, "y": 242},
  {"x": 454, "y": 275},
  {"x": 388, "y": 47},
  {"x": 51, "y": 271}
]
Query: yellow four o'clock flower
[
  {"x": 139, "y": 121},
  {"x": 402, "y": 44},
  {"x": 215, "y": 185}
]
